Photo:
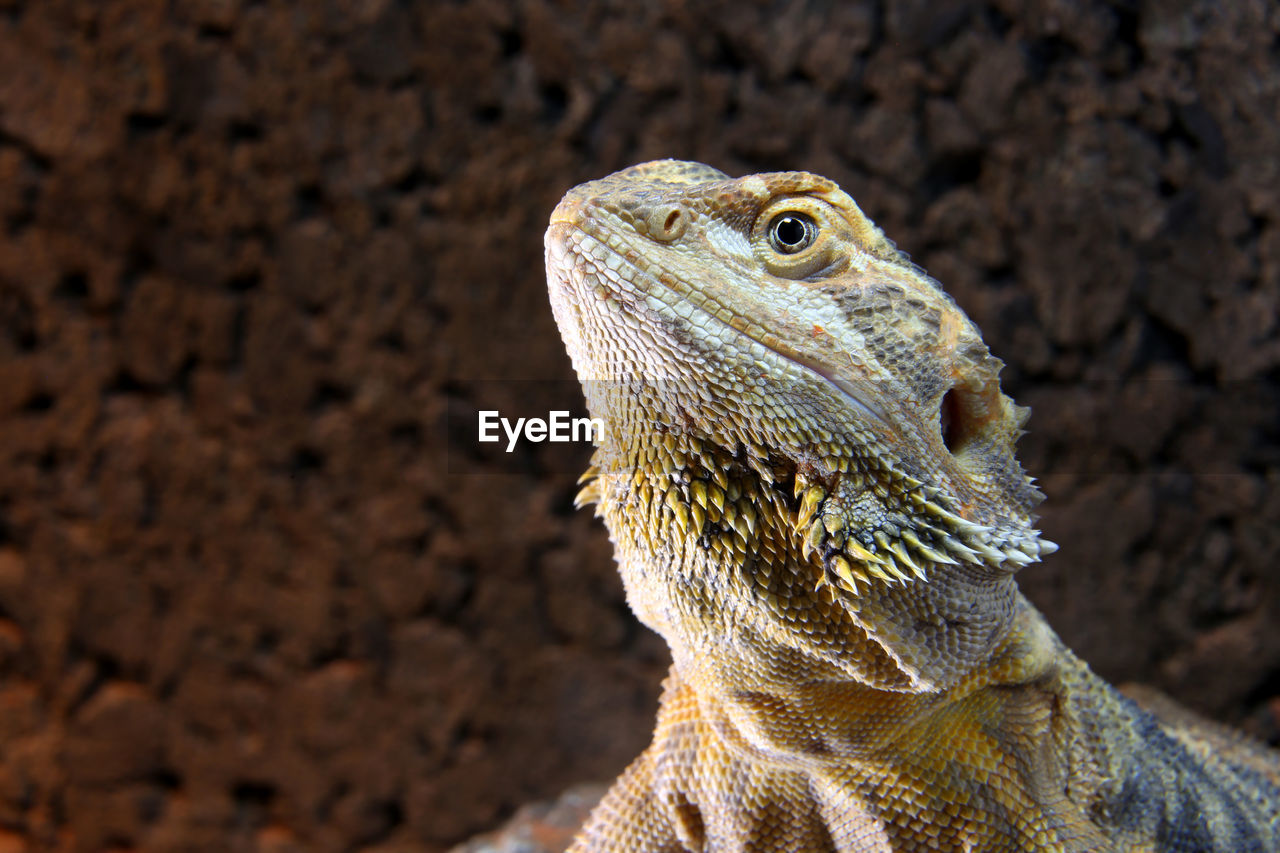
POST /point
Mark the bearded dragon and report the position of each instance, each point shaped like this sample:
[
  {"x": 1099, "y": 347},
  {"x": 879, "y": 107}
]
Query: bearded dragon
[{"x": 809, "y": 478}]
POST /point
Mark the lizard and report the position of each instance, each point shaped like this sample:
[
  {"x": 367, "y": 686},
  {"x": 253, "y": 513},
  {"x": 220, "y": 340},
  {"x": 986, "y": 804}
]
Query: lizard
[{"x": 809, "y": 477}]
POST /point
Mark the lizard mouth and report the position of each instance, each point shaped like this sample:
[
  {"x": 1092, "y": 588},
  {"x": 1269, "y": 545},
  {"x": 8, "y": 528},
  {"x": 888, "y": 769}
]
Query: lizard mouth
[
  {"x": 568, "y": 257},
  {"x": 848, "y": 388}
]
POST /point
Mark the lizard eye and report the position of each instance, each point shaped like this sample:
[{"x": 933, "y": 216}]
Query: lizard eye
[
  {"x": 792, "y": 232},
  {"x": 797, "y": 236}
]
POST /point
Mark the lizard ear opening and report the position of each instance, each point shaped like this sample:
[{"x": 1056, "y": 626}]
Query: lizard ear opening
[
  {"x": 965, "y": 414},
  {"x": 951, "y": 421},
  {"x": 946, "y": 419}
]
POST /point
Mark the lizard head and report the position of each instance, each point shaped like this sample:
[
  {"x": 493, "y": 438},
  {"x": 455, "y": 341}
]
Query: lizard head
[{"x": 793, "y": 410}]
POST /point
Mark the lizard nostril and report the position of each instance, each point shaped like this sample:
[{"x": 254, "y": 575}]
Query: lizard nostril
[{"x": 668, "y": 222}]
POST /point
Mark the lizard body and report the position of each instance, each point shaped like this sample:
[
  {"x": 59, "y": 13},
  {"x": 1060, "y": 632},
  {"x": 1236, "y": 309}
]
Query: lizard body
[{"x": 808, "y": 474}]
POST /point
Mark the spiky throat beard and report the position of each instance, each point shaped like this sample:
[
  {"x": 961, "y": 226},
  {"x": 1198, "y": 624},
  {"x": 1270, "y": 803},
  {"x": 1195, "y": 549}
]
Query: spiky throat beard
[{"x": 729, "y": 519}]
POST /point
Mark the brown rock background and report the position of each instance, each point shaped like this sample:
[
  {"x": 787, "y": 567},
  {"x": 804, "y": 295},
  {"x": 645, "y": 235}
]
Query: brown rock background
[{"x": 255, "y": 257}]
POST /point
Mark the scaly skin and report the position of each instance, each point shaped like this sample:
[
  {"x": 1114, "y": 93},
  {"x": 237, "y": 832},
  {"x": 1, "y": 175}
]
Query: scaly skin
[{"x": 809, "y": 477}]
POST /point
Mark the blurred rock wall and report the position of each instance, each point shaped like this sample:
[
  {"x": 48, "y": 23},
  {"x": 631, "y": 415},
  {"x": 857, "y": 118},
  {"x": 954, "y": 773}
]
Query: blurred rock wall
[{"x": 253, "y": 255}]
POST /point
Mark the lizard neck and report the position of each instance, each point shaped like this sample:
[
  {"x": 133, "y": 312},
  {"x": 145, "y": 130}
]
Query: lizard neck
[
  {"x": 751, "y": 632},
  {"x": 788, "y": 706},
  {"x": 847, "y": 724}
]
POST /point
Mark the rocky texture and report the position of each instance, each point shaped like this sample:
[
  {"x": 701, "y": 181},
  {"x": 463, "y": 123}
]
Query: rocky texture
[
  {"x": 259, "y": 261},
  {"x": 541, "y": 826}
]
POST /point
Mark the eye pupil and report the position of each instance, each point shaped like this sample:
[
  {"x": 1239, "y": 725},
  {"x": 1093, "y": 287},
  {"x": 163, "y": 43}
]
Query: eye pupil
[{"x": 792, "y": 232}]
